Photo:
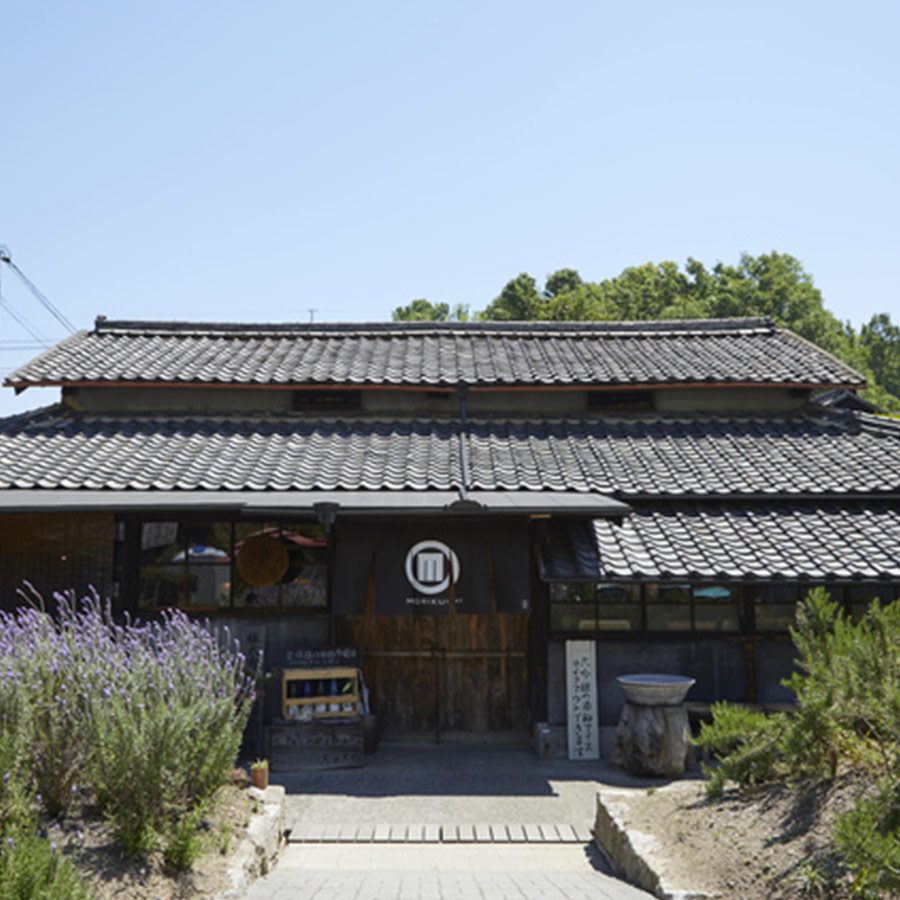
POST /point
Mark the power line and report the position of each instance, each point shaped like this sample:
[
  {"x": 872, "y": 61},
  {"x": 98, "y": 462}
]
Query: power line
[
  {"x": 4, "y": 303},
  {"x": 42, "y": 299},
  {"x": 21, "y": 346}
]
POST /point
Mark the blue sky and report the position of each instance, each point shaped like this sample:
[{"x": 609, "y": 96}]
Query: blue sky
[{"x": 235, "y": 161}]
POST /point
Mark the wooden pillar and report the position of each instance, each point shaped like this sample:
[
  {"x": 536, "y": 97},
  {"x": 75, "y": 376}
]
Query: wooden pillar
[
  {"x": 538, "y": 633},
  {"x": 130, "y": 572}
]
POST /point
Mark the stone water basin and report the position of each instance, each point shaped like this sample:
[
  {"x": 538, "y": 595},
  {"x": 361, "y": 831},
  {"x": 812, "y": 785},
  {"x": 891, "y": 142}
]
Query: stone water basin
[{"x": 655, "y": 690}]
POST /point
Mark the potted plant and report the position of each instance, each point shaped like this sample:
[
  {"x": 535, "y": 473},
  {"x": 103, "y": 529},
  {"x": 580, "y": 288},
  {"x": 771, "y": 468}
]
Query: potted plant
[{"x": 259, "y": 774}]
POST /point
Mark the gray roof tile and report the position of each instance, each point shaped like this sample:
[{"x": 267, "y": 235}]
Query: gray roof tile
[
  {"x": 734, "y": 351},
  {"x": 823, "y": 453},
  {"x": 796, "y": 541}
]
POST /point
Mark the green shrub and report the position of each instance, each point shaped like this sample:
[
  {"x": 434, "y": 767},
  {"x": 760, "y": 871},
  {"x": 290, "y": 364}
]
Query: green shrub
[
  {"x": 32, "y": 869},
  {"x": 747, "y": 743},
  {"x": 850, "y": 674},
  {"x": 847, "y": 686},
  {"x": 147, "y": 716},
  {"x": 868, "y": 837},
  {"x": 15, "y": 803},
  {"x": 166, "y": 724},
  {"x": 186, "y": 840},
  {"x": 45, "y": 678}
]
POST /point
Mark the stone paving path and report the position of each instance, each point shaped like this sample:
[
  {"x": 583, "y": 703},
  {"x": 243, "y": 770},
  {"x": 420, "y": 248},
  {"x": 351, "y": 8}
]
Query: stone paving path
[
  {"x": 445, "y": 822},
  {"x": 441, "y": 872},
  {"x": 467, "y": 833}
]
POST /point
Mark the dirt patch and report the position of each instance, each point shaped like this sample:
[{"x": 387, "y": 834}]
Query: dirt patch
[
  {"x": 88, "y": 841},
  {"x": 771, "y": 845}
]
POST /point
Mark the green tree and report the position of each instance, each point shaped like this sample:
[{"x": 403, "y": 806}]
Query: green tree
[
  {"x": 425, "y": 311},
  {"x": 776, "y": 285},
  {"x": 560, "y": 282},
  {"x": 772, "y": 284},
  {"x": 650, "y": 291},
  {"x": 518, "y": 301},
  {"x": 585, "y": 302},
  {"x": 880, "y": 340}
]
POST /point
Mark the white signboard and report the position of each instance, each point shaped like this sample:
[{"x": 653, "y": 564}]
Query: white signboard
[{"x": 581, "y": 700}]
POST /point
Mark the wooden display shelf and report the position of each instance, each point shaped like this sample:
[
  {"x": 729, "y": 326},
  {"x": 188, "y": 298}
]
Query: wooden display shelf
[{"x": 299, "y": 677}]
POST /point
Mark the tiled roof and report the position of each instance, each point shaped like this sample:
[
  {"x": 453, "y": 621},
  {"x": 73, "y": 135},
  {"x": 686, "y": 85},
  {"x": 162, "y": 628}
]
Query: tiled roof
[
  {"x": 691, "y": 456},
  {"x": 822, "y": 453},
  {"x": 726, "y": 351},
  {"x": 793, "y": 541},
  {"x": 57, "y": 449}
]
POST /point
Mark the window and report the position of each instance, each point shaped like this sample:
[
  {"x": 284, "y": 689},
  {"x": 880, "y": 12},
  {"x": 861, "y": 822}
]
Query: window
[
  {"x": 774, "y": 606},
  {"x": 594, "y": 607},
  {"x": 695, "y": 608},
  {"x": 620, "y": 401},
  {"x": 325, "y": 400},
  {"x": 716, "y": 608},
  {"x": 216, "y": 564},
  {"x": 860, "y": 597},
  {"x": 669, "y": 607},
  {"x": 652, "y": 608}
]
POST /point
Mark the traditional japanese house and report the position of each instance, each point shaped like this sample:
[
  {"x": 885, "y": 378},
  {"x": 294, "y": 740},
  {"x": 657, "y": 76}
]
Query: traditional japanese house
[{"x": 457, "y": 500}]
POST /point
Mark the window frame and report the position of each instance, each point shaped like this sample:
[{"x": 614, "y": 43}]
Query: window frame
[
  {"x": 749, "y": 595},
  {"x": 129, "y": 564}
]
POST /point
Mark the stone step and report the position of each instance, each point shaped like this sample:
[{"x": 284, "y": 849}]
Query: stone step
[{"x": 452, "y": 833}]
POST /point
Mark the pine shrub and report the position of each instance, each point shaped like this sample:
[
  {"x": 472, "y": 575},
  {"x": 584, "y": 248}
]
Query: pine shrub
[{"x": 847, "y": 684}]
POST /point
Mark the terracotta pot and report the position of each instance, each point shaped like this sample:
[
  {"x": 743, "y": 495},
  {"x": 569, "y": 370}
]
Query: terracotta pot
[{"x": 259, "y": 777}]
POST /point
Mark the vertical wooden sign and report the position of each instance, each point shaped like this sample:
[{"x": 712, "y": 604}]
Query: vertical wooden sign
[{"x": 581, "y": 700}]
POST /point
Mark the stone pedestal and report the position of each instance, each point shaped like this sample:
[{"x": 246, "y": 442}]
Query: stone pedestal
[{"x": 653, "y": 740}]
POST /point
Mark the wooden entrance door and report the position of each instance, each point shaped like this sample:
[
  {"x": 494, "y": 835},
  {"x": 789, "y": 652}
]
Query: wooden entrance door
[{"x": 449, "y": 676}]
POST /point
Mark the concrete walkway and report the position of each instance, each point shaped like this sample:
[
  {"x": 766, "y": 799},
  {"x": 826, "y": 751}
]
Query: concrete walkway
[
  {"x": 438, "y": 872},
  {"x": 377, "y": 832}
]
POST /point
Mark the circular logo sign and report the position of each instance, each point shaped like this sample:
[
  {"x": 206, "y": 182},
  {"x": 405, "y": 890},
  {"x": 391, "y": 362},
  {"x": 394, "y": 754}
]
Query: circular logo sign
[{"x": 431, "y": 566}]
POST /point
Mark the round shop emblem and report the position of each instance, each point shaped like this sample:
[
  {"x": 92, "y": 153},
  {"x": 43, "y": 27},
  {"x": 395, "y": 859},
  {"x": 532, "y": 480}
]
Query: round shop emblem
[{"x": 431, "y": 566}]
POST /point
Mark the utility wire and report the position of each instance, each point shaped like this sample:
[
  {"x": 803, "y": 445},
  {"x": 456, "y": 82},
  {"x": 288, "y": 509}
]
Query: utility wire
[
  {"x": 45, "y": 302},
  {"x": 57, "y": 314},
  {"x": 22, "y": 348},
  {"x": 4, "y": 303}
]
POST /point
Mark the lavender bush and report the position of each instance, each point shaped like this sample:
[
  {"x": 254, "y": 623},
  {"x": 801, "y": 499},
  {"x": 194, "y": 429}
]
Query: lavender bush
[
  {"x": 15, "y": 804},
  {"x": 43, "y": 668},
  {"x": 30, "y": 866},
  {"x": 146, "y": 716}
]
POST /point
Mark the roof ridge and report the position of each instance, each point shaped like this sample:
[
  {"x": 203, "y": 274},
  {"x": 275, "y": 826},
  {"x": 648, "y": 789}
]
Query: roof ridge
[
  {"x": 876, "y": 423},
  {"x": 239, "y": 329},
  {"x": 59, "y": 411}
]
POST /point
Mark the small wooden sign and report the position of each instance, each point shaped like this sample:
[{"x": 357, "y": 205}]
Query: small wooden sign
[{"x": 581, "y": 700}]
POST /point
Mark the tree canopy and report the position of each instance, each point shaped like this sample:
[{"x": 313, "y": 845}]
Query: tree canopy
[
  {"x": 424, "y": 311},
  {"x": 772, "y": 284}
]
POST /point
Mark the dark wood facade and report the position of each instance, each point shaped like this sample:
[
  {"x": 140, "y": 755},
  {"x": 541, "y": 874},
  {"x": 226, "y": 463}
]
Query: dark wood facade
[{"x": 454, "y": 675}]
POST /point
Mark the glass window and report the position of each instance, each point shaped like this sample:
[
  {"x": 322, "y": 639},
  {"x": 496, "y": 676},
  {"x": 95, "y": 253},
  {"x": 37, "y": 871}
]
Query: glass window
[
  {"x": 572, "y": 607},
  {"x": 280, "y": 565},
  {"x": 185, "y": 564},
  {"x": 594, "y": 607},
  {"x": 716, "y": 608},
  {"x": 618, "y": 608},
  {"x": 669, "y": 607},
  {"x": 860, "y": 597},
  {"x": 225, "y": 564},
  {"x": 775, "y": 606}
]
